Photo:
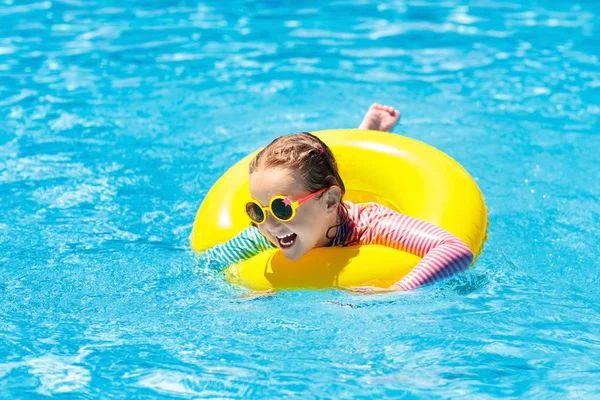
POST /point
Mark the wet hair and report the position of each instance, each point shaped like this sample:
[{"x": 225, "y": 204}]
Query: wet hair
[{"x": 308, "y": 154}]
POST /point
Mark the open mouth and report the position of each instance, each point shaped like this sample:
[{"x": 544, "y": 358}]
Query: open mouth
[{"x": 285, "y": 242}]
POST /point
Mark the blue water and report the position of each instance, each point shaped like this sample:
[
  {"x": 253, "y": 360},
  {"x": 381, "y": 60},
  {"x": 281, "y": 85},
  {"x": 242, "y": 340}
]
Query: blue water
[{"x": 118, "y": 116}]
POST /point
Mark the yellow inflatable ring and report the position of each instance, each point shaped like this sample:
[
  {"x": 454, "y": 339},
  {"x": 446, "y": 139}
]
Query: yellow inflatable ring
[{"x": 398, "y": 172}]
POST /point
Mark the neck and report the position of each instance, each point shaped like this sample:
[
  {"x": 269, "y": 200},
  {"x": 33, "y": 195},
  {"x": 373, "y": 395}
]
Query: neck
[{"x": 333, "y": 220}]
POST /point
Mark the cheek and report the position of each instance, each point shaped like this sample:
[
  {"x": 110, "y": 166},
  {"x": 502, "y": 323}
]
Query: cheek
[
  {"x": 310, "y": 219},
  {"x": 263, "y": 230}
]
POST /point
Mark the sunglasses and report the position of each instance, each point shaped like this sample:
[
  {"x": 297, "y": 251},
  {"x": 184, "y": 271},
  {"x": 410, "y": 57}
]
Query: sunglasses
[{"x": 282, "y": 208}]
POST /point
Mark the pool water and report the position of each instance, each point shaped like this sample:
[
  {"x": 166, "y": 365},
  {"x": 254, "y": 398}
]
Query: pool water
[{"x": 118, "y": 116}]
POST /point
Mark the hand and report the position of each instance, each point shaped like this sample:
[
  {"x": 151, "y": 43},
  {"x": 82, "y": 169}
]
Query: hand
[
  {"x": 258, "y": 293},
  {"x": 373, "y": 289}
]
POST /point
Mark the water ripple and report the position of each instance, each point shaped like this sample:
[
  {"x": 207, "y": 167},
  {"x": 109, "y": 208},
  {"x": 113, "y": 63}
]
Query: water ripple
[{"x": 119, "y": 117}]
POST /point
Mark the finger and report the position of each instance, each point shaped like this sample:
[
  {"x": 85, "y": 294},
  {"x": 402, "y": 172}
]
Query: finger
[{"x": 262, "y": 293}]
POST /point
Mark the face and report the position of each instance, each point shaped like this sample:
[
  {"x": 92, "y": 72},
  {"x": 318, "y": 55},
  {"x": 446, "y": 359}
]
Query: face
[{"x": 308, "y": 229}]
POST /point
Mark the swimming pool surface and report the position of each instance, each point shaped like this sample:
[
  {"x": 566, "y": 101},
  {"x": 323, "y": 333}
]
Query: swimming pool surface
[{"x": 118, "y": 116}]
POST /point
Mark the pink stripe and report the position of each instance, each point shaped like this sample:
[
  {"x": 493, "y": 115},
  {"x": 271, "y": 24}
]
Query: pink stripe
[
  {"x": 461, "y": 260},
  {"x": 461, "y": 256},
  {"x": 434, "y": 267},
  {"x": 411, "y": 245},
  {"x": 438, "y": 266},
  {"x": 410, "y": 228},
  {"x": 440, "y": 271},
  {"x": 449, "y": 260},
  {"x": 436, "y": 237},
  {"x": 412, "y": 281},
  {"x": 386, "y": 234},
  {"x": 455, "y": 264},
  {"x": 424, "y": 242},
  {"x": 396, "y": 233},
  {"x": 443, "y": 255},
  {"x": 423, "y": 276},
  {"x": 382, "y": 231},
  {"x": 420, "y": 243},
  {"x": 423, "y": 269},
  {"x": 453, "y": 256}
]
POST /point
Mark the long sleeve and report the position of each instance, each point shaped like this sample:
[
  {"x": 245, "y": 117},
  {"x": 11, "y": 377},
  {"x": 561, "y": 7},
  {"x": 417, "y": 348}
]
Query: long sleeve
[
  {"x": 245, "y": 245},
  {"x": 443, "y": 254}
]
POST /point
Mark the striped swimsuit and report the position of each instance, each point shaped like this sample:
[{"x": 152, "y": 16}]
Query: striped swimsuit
[{"x": 443, "y": 254}]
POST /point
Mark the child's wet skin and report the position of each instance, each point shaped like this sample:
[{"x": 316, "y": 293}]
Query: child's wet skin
[
  {"x": 380, "y": 118},
  {"x": 308, "y": 229}
]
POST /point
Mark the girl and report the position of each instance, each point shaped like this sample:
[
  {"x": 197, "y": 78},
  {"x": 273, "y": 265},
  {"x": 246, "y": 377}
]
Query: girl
[{"x": 297, "y": 205}]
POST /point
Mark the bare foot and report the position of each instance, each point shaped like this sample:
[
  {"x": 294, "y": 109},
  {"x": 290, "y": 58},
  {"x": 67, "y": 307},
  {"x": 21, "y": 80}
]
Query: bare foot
[{"x": 380, "y": 118}]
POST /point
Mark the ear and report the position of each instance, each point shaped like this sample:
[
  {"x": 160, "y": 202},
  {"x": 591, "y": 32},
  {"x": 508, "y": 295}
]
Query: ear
[{"x": 332, "y": 198}]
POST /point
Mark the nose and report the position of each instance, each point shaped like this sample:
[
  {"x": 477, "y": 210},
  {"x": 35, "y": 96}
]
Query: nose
[{"x": 271, "y": 220}]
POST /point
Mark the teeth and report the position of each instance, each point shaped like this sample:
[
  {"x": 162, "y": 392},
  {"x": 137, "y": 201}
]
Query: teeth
[{"x": 287, "y": 239}]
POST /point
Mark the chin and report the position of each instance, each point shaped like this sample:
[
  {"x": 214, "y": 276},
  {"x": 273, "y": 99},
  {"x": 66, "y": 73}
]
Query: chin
[
  {"x": 292, "y": 256},
  {"x": 294, "y": 253}
]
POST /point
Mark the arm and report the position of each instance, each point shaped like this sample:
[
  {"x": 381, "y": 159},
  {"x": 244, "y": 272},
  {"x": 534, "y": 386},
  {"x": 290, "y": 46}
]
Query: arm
[
  {"x": 443, "y": 254},
  {"x": 245, "y": 245}
]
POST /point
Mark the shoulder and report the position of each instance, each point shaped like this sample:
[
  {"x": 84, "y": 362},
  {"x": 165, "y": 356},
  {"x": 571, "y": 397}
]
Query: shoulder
[
  {"x": 365, "y": 219},
  {"x": 368, "y": 211}
]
